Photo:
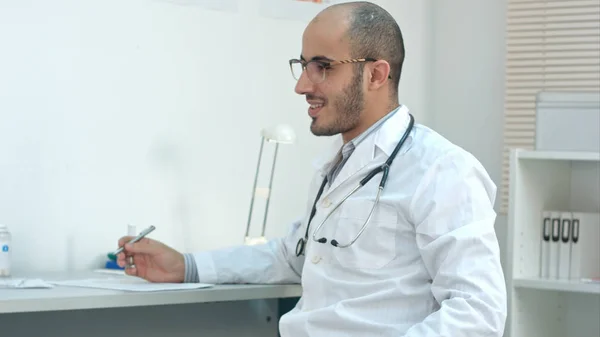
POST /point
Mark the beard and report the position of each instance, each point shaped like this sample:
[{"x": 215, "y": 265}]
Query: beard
[{"x": 347, "y": 106}]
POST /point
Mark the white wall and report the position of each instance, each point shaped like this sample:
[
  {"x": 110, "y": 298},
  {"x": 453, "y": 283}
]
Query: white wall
[
  {"x": 134, "y": 112},
  {"x": 467, "y": 77}
]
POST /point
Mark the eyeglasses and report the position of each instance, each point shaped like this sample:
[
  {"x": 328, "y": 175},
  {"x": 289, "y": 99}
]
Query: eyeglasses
[{"x": 316, "y": 69}]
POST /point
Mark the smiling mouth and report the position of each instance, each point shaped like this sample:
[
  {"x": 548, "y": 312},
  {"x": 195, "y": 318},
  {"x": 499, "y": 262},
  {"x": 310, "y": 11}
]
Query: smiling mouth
[{"x": 314, "y": 109}]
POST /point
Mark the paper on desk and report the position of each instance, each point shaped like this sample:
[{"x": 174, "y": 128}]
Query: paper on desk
[
  {"x": 22, "y": 283},
  {"x": 111, "y": 271},
  {"x": 129, "y": 284}
]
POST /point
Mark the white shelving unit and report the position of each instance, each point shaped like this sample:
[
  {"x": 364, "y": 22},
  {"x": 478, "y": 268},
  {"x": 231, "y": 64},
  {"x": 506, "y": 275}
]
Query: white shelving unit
[{"x": 568, "y": 181}]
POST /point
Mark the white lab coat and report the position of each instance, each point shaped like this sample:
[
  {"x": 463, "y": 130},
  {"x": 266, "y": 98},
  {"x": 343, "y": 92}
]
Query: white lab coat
[{"x": 427, "y": 265}]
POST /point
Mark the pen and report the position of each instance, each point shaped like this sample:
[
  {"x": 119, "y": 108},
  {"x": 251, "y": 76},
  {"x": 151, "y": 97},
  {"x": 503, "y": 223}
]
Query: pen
[{"x": 136, "y": 239}]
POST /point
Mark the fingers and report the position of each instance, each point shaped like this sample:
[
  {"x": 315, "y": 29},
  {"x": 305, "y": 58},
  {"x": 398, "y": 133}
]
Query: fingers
[
  {"x": 121, "y": 262},
  {"x": 123, "y": 259},
  {"x": 132, "y": 264},
  {"x": 131, "y": 271},
  {"x": 124, "y": 240},
  {"x": 144, "y": 246},
  {"x": 127, "y": 262}
]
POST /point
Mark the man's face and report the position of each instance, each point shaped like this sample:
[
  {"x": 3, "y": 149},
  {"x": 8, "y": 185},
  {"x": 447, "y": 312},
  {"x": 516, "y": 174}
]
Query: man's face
[{"x": 336, "y": 103}]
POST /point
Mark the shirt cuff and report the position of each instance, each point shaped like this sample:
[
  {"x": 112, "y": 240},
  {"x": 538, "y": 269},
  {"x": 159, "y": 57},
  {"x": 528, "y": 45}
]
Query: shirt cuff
[
  {"x": 205, "y": 266},
  {"x": 191, "y": 270}
]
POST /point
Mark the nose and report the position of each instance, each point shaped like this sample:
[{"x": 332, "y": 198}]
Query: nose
[{"x": 304, "y": 85}]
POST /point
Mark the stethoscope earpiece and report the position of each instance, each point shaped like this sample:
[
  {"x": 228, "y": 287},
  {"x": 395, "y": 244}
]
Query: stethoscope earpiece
[{"x": 300, "y": 247}]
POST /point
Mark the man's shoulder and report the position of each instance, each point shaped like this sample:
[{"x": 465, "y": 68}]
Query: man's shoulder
[
  {"x": 431, "y": 145},
  {"x": 431, "y": 148}
]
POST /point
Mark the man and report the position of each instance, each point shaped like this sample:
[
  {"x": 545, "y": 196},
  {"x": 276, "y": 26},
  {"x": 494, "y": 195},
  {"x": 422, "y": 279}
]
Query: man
[{"x": 427, "y": 261}]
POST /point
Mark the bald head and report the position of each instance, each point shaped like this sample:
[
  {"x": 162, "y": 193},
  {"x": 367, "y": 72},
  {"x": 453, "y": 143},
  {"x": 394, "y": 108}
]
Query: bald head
[{"x": 371, "y": 33}]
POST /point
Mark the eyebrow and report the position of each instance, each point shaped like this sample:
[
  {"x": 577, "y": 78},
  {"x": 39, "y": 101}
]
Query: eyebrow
[{"x": 317, "y": 58}]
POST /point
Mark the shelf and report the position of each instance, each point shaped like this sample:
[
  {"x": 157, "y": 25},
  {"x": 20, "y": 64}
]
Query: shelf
[
  {"x": 548, "y": 181},
  {"x": 558, "y": 285},
  {"x": 559, "y": 155}
]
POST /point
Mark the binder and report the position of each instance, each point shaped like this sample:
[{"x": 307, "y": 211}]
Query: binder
[
  {"x": 554, "y": 256},
  {"x": 564, "y": 246},
  {"x": 585, "y": 246},
  {"x": 545, "y": 244}
]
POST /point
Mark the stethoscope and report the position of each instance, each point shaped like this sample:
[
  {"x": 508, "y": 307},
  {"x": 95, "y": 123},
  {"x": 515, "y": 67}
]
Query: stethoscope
[{"x": 385, "y": 168}]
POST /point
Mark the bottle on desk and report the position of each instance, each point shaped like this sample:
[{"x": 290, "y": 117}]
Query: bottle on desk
[{"x": 5, "y": 251}]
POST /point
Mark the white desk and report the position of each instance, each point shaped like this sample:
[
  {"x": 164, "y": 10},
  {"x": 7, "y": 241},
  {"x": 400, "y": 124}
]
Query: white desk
[{"x": 215, "y": 311}]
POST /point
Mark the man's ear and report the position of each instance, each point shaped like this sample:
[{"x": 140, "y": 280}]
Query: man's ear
[{"x": 379, "y": 74}]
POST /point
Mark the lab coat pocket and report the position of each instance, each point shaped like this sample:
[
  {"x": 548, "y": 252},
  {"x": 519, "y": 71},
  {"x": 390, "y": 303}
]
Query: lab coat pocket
[{"x": 376, "y": 246}]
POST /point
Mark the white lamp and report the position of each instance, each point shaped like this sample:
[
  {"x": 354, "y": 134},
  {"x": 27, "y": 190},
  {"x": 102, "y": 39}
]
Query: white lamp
[{"x": 278, "y": 134}]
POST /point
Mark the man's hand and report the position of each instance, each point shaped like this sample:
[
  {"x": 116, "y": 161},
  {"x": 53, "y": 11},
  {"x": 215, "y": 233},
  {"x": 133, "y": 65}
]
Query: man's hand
[{"x": 153, "y": 260}]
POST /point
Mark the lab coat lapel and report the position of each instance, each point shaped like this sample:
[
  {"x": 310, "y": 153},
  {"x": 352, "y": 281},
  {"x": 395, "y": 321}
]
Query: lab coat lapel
[
  {"x": 366, "y": 155},
  {"x": 322, "y": 162},
  {"x": 360, "y": 158},
  {"x": 391, "y": 132},
  {"x": 364, "y": 158}
]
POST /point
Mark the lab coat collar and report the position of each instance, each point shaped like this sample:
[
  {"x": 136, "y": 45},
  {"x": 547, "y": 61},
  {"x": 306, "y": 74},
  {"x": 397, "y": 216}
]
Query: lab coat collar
[
  {"x": 390, "y": 133},
  {"x": 326, "y": 157},
  {"x": 384, "y": 139}
]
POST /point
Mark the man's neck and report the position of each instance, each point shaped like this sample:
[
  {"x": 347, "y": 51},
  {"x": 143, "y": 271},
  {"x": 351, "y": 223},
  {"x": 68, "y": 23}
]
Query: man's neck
[{"x": 368, "y": 118}]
